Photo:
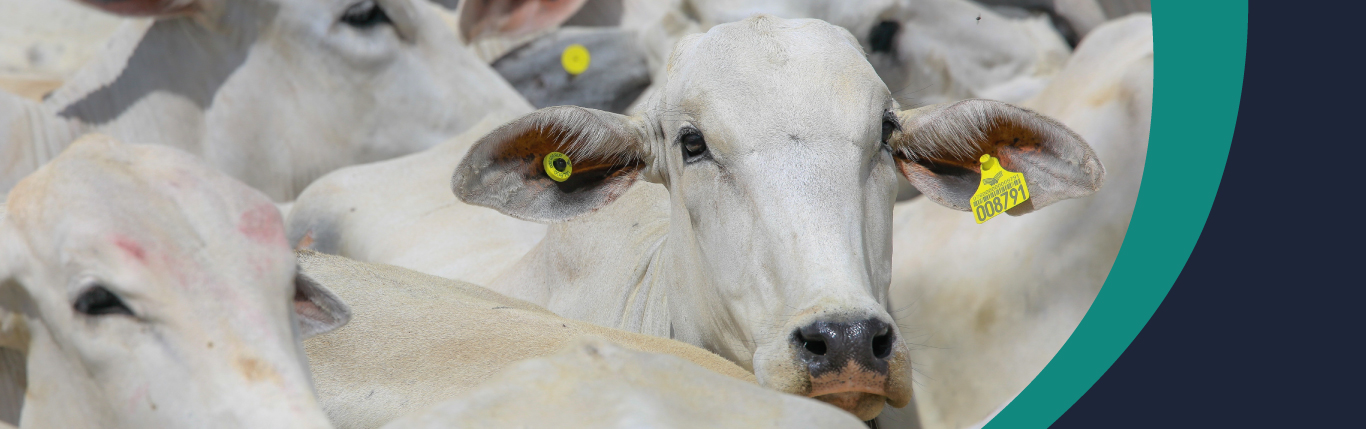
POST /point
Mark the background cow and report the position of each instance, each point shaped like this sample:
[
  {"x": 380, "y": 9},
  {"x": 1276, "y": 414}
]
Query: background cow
[
  {"x": 147, "y": 290},
  {"x": 989, "y": 305},
  {"x": 415, "y": 340},
  {"x": 594, "y": 384},
  {"x": 273, "y": 92}
]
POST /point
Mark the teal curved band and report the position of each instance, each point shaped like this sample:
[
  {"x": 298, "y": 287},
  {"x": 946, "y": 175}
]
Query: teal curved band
[{"x": 1198, "y": 56}]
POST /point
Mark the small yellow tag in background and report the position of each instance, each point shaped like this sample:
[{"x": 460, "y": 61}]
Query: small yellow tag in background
[
  {"x": 999, "y": 191},
  {"x": 575, "y": 59},
  {"x": 557, "y": 166}
]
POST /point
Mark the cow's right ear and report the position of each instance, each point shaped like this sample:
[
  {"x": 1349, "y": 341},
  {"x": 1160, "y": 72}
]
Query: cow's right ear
[
  {"x": 143, "y": 8},
  {"x": 506, "y": 170},
  {"x": 512, "y": 18}
]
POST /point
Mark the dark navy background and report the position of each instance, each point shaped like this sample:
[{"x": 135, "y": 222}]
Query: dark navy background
[{"x": 1263, "y": 327}]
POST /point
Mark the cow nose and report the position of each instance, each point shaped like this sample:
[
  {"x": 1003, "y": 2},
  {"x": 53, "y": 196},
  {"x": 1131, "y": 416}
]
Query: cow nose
[{"x": 831, "y": 346}]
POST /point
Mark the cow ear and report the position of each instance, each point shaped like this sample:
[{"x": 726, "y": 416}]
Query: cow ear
[
  {"x": 506, "y": 171},
  {"x": 318, "y": 310},
  {"x": 512, "y": 18},
  {"x": 939, "y": 146},
  {"x": 144, "y": 8}
]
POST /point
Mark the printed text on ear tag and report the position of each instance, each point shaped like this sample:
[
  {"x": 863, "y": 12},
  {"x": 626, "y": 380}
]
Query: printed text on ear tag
[
  {"x": 557, "y": 166},
  {"x": 575, "y": 59},
  {"x": 999, "y": 191}
]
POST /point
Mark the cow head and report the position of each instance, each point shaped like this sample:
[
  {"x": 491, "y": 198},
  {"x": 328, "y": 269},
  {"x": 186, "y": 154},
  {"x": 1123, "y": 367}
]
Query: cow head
[
  {"x": 779, "y": 147},
  {"x": 149, "y": 291},
  {"x": 297, "y": 87}
]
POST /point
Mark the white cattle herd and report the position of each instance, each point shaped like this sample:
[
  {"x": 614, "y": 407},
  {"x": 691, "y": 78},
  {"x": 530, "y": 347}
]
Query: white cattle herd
[{"x": 334, "y": 213}]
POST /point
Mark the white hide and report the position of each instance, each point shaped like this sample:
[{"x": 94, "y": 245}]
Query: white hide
[
  {"x": 273, "y": 92},
  {"x": 594, "y": 384},
  {"x": 416, "y": 339},
  {"x": 43, "y": 42},
  {"x": 991, "y": 304},
  {"x": 401, "y": 212},
  {"x": 147, "y": 290}
]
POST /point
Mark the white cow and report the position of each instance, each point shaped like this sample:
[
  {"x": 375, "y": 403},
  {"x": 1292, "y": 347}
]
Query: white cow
[
  {"x": 993, "y": 303},
  {"x": 148, "y": 291},
  {"x": 770, "y": 239},
  {"x": 273, "y": 92},
  {"x": 417, "y": 339},
  {"x": 594, "y": 384}
]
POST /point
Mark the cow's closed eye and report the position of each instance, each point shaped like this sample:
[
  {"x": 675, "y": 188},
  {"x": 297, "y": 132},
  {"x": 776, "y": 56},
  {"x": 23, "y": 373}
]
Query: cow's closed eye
[
  {"x": 365, "y": 14},
  {"x": 98, "y": 301},
  {"x": 694, "y": 146}
]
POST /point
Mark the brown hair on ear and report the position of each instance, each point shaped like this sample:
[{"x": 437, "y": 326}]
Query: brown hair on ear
[
  {"x": 939, "y": 147},
  {"x": 505, "y": 169}
]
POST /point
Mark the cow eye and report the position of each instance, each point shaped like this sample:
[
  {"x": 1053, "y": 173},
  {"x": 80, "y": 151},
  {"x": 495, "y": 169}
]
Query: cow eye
[
  {"x": 889, "y": 124},
  {"x": 694, "y": 146},
  {"x": 99, "y": 301},
  {"x": 363, "y": 15}
]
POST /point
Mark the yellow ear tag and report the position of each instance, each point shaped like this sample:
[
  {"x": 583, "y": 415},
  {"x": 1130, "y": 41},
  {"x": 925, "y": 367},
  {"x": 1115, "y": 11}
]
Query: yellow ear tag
[
  {"x": 557, "y": 166},
  {"x": 999, "y": 191},
  {"x": 575, "y": 59}
]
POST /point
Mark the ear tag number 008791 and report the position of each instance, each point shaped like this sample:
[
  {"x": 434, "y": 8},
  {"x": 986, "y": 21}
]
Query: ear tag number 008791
[
  {"x": 557, "y": 166},
  {"x": 1000, "y": 190}
]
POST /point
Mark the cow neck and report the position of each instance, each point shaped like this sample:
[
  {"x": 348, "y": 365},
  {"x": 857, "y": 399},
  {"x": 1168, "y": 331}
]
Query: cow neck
[{"x": 606, "y": 267}]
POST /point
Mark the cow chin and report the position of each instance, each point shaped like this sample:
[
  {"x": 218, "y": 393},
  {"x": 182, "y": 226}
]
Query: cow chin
[{"x": 865, "y": 406}]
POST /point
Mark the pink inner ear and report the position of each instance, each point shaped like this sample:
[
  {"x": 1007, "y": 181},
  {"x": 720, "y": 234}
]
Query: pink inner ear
[
  {"x": 307, "y": 309},
  {"x": 142, "y": 7},
  {"x": 513, "y": 18}
]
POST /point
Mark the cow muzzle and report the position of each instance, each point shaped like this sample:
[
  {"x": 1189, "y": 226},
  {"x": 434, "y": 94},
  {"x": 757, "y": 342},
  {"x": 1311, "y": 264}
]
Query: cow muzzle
[{"x": 856, "y": 366}]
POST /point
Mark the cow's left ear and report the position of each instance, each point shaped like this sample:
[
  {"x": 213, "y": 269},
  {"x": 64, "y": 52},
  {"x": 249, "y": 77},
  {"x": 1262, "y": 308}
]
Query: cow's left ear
[
  {"x": 318, "y": 310},
  {"x": 513, "y": 18},
  {"x": 939, "y": 146}
]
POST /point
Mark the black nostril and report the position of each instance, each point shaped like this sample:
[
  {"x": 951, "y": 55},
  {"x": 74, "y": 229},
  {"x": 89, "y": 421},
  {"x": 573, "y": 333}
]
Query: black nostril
[
  {"x": 812, "y": 343},
  {"x": 881, "y": 36},
  {"x": 882, "y": 345}
]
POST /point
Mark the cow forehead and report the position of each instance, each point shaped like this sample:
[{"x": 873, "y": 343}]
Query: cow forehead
[
  {"x": 154, "y": 205},
  {"x": 805, "y": 73}
]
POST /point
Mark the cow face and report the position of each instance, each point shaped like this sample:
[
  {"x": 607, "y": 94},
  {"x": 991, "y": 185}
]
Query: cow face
[
  {"x": 148, "y": 291},
  {"x": 779, "y": 146},
  {"x": 295, "y": 88}
]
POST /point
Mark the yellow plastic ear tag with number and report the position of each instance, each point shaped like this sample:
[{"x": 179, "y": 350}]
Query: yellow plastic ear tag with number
[
  {"x": 557, "y": 166},
  {"x": 999, "y": 191},
  {"x": 575, "y": 59}
]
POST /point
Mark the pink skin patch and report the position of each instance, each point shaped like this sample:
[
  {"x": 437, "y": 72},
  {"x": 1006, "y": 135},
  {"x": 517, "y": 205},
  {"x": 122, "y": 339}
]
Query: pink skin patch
[
  {"x": 131, "y": 247},
  {"x": 262, "y": 224}
]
